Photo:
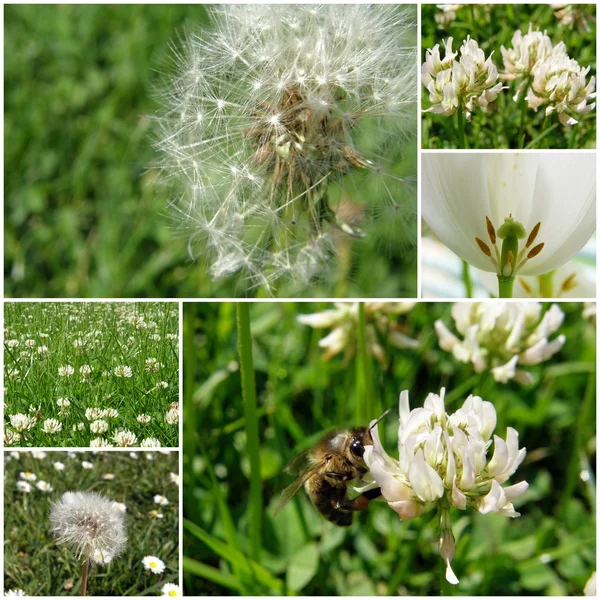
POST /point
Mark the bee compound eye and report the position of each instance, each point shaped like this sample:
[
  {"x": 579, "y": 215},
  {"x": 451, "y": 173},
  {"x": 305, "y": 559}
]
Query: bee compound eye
[{"x": 357, "y": 448}]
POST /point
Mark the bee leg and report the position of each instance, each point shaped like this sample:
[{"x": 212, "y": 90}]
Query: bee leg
[{"x": 362, "y": 502}]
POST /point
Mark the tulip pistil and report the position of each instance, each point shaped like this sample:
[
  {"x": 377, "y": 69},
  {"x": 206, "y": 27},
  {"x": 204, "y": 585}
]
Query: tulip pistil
[{"x": 508, "y": 260}]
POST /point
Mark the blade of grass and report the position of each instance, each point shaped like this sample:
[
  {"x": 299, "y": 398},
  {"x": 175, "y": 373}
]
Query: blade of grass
[
  {"x": 235, "y": 557},
  {"x": 206, "y": 572},
  {"x": 252, "y": 442},
  {"x": 364, "y": 378}
]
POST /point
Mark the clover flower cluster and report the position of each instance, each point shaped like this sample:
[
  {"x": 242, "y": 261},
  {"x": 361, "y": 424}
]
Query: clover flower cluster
[
  {"x": 501, "y": 336},
  {"x": 443, "y": 462},
  {"x": 268, "y": 109},
  {"x": 464, "y": 84},
  {"x": 379, "y": 328},
  {"x": 550, "y": 77},
  {"x": 89, "y": 523}
]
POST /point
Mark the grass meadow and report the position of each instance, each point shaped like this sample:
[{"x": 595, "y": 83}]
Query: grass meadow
[
  {"x": 249, "y": 409},
  {"x": 81, "y": 374},
  {"x": 509, "y": 123},
  {"x": 84, "y": 213},
  {"x": 35, "y": 564}
]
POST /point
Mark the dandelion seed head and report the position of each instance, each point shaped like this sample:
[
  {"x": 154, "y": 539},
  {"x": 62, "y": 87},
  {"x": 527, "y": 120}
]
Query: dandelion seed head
[
  {"x": 88, "y": 523},
  {"x": 274, "y": 86}
]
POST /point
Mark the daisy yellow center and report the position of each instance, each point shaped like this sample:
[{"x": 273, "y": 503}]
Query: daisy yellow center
[
  {"x": 153, "y": 563},
  {"x": 172, "y": 593}
]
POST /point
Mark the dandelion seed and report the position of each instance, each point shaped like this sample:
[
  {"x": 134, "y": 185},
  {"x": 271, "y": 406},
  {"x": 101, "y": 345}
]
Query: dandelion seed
[
  {"x": 154, "y": 564},
  {"x": 255, "y": 158}
]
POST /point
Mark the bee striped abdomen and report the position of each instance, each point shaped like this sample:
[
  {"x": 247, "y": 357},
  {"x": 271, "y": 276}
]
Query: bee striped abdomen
[{"x": 330, "y": 500}]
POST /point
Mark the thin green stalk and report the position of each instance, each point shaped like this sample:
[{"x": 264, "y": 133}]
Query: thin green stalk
[
  {"x": 505, "y": 286},
  {"x": 466, "y": 277},
  {"x": 364, "y": 394},
  {"x": 546, "y": 284},
  {"x": 541, "y": 136},
  {"x": 521, "y": 136},
  {"x": 252, "y": 442},
  {"x": 584, "y": 421},
  {"x": 461, "y": 127}
]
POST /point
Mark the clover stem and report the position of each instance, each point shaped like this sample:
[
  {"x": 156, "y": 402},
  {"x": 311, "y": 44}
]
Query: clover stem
[
  {"x": 84, "y": 577},
  {"x": 505, "y": 286},
  {"x": 521, "y": 136},
  {"x": 466, "y": 277},
  {"x": 461, "y": 127},
  {"x": 546, "y": 284}
]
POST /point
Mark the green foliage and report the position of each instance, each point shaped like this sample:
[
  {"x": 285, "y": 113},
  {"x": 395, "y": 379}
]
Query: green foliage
[
  {"x": 40, "y": 338},
  {"x": 549, "y": 550},
  {"x": 492, "y": 26},
  {"x": 35, "y": 564},
  {"x": 84, "y": 214}
]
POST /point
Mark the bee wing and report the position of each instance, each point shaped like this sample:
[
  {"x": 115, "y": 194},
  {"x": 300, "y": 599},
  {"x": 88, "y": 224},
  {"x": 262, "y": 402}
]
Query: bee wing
[{"x": 293, "y": 489}]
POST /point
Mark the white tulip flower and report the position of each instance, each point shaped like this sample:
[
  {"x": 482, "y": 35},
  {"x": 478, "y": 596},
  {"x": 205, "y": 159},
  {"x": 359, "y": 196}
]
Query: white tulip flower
[
  {"x": 443, "y": 463},
  {"x": 511, "y": 214}
]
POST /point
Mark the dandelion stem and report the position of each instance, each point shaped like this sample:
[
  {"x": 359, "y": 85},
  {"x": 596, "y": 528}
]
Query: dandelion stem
[
  {"x": 249, "y": 395},
  {"x": 505, "y": 286},
  {"x": 466, "y": 277},
  {"x": 546, "y": 284},
  {"x": 84, "y": 577},
  {"x": 461, "y": 128},
  {"x": 364, "y": 395}
]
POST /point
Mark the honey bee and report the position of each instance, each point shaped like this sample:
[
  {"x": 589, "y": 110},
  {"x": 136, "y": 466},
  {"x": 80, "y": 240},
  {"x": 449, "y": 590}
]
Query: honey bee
[{"x": 334, "y": 461}]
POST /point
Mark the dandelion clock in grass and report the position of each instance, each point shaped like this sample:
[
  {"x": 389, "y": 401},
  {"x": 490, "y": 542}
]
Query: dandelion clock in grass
[
  {"x": 91, "y": 525},
  {"x": 267, "y": 115},
  {"x": 511, "y": 214}
]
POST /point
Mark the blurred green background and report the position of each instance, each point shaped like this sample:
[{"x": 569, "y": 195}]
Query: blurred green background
[
  {"x": 492, "y": 26},
  {"x": 84, "y": 215},
  {"x": 230, "y": 547}
]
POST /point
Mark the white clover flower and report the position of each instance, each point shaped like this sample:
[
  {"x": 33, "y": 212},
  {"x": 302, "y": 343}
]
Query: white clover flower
[
  {"x": 511, "y": 214},
  {"x": 158, "y": 499},
  {"x": 52, "y": 426},
  {"x": 93, "y": 414},
  {"x": 109, "y": 413},
  {"x": 11, "y": 437},
  {"x": 66, "y": 371},
  {"x": 85, "y": 372},
  {"x": 143, "y": 419},
  {"x": 42, "y": 350},
  {"x": 122, "y": 371},
  {"x": 501, "y": 336},
  {"x": 150, "y": 443},
  {"x": 464, "y": 84},
  {"x": 12, "y": 344},
  {"x": 379, "y": 328},
  {"x": 24, "y": 487},
  {"x": 28, "y": 476},
  {"x": 443, "y": 463},
  {"x": 152, "y": 365},
  {"x": 43, "y": 486},
  {"x": 87, "y": 522},
  {"x": 100, "y": 443},
  {"x": 98, "y": 426},
  {"x": 63, "y": 404},
  {"x": 170, "y": 589},
  {"x": 172, "y": 416},
  {"x": 21, "y": 422},
  {"x": 550, "y": 77},
  {"x": 162, "y": 384},
  {"x": 79, "y": 427},
  {"x": 124, "y": 438},
  {"x": 266, "y": 111},
  {"x": 154, "y": 564}
]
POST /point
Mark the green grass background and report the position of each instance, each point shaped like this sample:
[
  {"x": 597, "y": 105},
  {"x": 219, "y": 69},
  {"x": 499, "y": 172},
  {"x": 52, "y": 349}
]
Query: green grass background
[
  {"x": 39, "y": 385},
  {"x": 36, "y": 565},
  {"x": 233, "y": 545},
  {"x": 493, "y": 26},
  {"x": 84, "y": 217}
]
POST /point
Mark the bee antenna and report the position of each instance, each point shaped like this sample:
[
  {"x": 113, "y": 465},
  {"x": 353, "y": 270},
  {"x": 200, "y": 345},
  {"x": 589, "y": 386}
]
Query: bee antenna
[{"x": 387, "y": 412}]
